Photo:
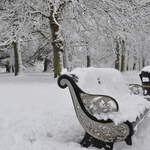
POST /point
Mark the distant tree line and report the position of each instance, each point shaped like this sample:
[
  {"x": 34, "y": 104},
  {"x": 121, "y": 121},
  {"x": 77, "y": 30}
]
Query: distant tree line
[{"x": 74, "y": 33}]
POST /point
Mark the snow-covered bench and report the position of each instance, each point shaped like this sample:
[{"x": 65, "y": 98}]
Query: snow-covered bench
[{"x": 104, "y": 106}]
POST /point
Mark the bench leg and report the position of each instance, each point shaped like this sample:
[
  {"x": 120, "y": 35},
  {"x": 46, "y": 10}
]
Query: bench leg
[
  {"x": 101, "y": 144},
  {"x": 86, "y": 141},
  {"x": 109, "y": 146},
  {"x": 89, "y": 140},
  {"x": 128, "y": 140}
]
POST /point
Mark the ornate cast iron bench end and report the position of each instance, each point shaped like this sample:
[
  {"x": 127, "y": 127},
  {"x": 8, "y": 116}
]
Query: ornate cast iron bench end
[{"x": 98, "y": 132}]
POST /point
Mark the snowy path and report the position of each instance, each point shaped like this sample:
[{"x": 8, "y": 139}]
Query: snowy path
[{"x": 35, "y": 114}]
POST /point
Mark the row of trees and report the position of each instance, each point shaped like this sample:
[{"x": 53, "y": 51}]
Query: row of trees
[
  {"x": 117, "y": 32},
  {"x": 75, "y": 33}
]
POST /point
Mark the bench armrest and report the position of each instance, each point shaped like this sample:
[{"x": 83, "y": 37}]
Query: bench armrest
[{"x": 92, "y": 105}]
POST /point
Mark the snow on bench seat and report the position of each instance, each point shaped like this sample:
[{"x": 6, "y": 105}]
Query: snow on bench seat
[
  {"x": 146, "y": 69},
  {"x": 108, "y": 81}
]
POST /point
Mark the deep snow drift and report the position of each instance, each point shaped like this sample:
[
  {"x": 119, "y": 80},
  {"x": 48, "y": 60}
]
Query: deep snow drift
[{"x": 35, "y": 114}]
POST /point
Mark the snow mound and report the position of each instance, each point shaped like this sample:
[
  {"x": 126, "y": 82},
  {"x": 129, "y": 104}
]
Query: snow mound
[
  {"x": 109, "y": 81},
  {"x": 146, "y": 69}
]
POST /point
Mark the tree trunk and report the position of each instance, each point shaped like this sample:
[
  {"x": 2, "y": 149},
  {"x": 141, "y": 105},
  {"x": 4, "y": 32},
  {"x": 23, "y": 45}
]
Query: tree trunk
[
  {"x": 57, "y": 42},
  {"x": 65, "y": 58},
  {"x": 8, "y": 67},
  {"x": 57, "y": 61},
  {"x": 16, "y": 59},
  {"x": 117, "y": 51},
  {"x": 126, "y": 61},
  {"x": 143, "y": 62},
  {"x": 88, "y": 61},
  {"x": 122, "y": 68},
  {"x": 134, "y": 66},
  {"x": 88, "y": 55},
  {"x": 45, "y": 64},
  {"x": 19, "y": 56},
  {"x": 122, "y": 63}
]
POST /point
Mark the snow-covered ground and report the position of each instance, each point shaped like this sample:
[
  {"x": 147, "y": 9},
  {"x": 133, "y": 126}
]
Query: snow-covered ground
[{"x": 35, "y": 114}]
